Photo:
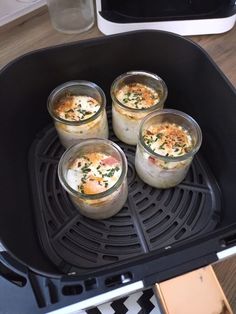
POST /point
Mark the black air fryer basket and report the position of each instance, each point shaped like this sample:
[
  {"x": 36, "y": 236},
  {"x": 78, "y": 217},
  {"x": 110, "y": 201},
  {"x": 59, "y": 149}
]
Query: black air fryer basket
[{"x": 52, "y": 252}]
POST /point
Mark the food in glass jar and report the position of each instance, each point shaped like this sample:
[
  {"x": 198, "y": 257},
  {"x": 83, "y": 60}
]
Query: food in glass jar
[
  {"x": 78, "y": 110},
  {"x": 134, "y": 95},
  {"x": 137, "y": 96},
  {"x": 94, "y": 173},
  {"x": 167, "y": 143}
]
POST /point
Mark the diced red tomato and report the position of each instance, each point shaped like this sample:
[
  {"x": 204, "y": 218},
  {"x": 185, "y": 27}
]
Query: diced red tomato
[
  {"x": 109, "y": 161},
  {"x": 151, "y": 159}
]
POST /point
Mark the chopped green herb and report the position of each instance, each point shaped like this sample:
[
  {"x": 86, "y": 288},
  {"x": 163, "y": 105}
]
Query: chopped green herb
[
  {"x": 83, "y": 179},
  {"x": 159, "y": 135},
  {"x": 86, "y": 170},
  {"x": 70, "y": 110},
  {"x": 148, "y": 142},
  {"x": 110, "y": 173},
  {"x": 162, "y": 145},
  {"x": 85, "y": 157},
  {"x": 81, "y": 187}
]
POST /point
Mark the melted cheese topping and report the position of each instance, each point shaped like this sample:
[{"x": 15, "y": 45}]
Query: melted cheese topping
[
  {"x": 137, "y": 96},
  {"x": 93, "y": 173},
  {"x": 168, "y": 139},
  {"x": 76, "y": 108}
]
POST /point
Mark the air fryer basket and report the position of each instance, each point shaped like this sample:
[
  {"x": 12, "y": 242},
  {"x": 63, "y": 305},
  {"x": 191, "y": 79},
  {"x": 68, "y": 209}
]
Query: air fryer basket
[
  {"x": 158, "y": 234},
  {"x": 151, "y": 218}
]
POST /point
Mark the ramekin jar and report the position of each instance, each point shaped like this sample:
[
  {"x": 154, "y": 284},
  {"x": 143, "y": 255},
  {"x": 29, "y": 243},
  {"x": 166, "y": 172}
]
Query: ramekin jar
[
  {"x": 125, "y": 120},
  {"x": 165, "y": 171},
  {"x": 71, "y": 132},
  {"x": 101, "y": 205}
]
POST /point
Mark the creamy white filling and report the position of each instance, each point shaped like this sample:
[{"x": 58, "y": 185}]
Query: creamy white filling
[
  {"x": 70, "y": 134},
  {"x": 125, "y": 128},
  {"x": 158, "y": 173},
  {"x": 105, "y": 207}
]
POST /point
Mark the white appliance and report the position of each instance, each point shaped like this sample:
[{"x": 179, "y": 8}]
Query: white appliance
[{"x": 184, "y": 17}]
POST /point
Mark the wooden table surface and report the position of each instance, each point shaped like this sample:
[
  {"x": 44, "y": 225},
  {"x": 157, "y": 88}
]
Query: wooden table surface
[{"x": 35, "y": 32}]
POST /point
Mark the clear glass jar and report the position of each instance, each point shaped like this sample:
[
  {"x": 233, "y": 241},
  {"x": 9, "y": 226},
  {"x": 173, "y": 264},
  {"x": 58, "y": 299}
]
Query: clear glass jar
[
  {"x": 71, "y": 16},
  {"x": 162, "y": 171},
  {"x": 71, "y": 132},
  {"x": 100, "y": 205},
  {"x": 126, "y": 120}
]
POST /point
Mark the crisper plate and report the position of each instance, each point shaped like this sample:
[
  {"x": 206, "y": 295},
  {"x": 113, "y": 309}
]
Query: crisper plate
[{"x": 151, "y": 218}]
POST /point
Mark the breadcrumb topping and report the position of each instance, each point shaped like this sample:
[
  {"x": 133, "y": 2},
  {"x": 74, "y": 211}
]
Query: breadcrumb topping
[
  {"x": 137, "y": 96},
  {"x": 168, "y": 139},
  {"x": 76, "y": 108}
]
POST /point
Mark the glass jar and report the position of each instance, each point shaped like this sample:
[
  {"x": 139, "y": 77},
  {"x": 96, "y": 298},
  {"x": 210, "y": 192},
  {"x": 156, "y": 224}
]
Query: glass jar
[
  {"x": 71, "y": 132},
  {"x": 71, "y": 16},
  {"x": 175, "y": 132},
  {"x": 126, "y": 119},
  {"x": 71, "y": 168}
]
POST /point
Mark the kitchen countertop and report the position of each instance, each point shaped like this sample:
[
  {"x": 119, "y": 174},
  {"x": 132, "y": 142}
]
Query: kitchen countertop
[{"x": 35, "y": 31}]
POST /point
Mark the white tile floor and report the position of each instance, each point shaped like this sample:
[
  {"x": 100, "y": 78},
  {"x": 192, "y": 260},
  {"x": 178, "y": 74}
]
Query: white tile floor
[{"x": 13, "y": 9}]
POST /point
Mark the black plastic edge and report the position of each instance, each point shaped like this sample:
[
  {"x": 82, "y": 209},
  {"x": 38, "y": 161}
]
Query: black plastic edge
[
  {"x": 115, "y": 18},
  {"x": 48, "y": 290},
  {"x": 93, "y": 41}
]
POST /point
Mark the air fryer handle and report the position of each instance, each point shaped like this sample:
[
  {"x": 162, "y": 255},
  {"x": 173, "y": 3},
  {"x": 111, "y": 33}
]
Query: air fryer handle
[
  {"x": 48, "y": 291},
  {"x": 16, "y": 273},
  {"x": 101, "y": 298},
  {"x": 8, "y": 272}
]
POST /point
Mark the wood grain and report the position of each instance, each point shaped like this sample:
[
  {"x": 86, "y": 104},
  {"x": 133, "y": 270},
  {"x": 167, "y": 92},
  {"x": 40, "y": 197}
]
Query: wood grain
[
  {"x": 34, "y": 32},
  {"x": 226, "y": 274}
]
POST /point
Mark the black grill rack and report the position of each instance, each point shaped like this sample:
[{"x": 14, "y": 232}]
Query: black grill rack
[{"x": 151, "y": 218}]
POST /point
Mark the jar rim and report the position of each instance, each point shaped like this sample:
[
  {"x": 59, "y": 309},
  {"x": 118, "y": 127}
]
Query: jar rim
[
  {"x": 63, "y": 87},
  {"x": 88, "y": 142},
  {"x": 184, "y": 115},
  {"x": 141, "y": 73}
]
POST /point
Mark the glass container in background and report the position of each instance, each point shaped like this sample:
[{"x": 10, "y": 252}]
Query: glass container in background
[{"x": 71, "y": 16}]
